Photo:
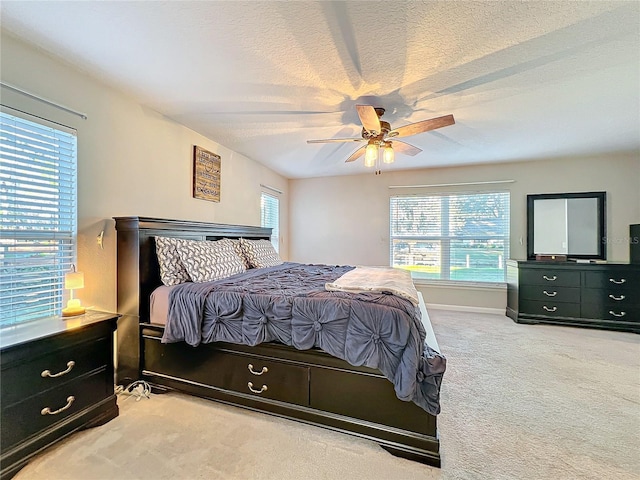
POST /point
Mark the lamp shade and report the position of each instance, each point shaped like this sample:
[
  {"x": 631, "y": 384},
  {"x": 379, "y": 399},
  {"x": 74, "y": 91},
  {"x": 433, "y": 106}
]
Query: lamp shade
[
  {"x": 370, "y": 155},
  {"x": 73, "y": 280},
  {"x": 388, "y": 155}
]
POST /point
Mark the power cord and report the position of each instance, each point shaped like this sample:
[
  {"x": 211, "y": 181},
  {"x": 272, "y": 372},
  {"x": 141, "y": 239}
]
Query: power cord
[{"x": 137, "y": 389}]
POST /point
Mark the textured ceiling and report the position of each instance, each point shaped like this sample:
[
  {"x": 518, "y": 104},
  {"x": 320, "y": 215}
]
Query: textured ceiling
[{"x": 524, "y": 80}]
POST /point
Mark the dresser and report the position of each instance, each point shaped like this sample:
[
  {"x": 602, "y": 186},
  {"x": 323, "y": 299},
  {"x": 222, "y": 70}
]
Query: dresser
[
  {"x": 57, "y": 378},
  {"x": 602, "y": 295}
]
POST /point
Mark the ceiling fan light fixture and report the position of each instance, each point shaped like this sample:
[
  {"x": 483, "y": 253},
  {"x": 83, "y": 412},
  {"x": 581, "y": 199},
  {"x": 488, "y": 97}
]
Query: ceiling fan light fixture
[
  {"x": 378, "y": 134},
  {"x": 388, "y": 155},
  {"x": 370, "y": 155}
]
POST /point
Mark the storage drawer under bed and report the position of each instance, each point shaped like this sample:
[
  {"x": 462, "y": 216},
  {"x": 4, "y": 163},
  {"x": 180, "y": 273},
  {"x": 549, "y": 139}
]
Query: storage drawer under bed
[
  {"x": 363, "y": 396},
  {"x": 252, "y": 375}
]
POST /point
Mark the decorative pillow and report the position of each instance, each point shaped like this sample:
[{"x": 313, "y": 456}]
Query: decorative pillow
[
  {"x": 206, "y": 261},
  {"x": 172, "y": 271},
  {"x": 240, "y": 252},
  {"x": 260, "y": 253}
]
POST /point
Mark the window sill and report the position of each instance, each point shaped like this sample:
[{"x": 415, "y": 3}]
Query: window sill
[{"x": 461, "y": 285}]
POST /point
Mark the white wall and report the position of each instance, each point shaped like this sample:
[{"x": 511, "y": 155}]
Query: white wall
[
  {"x": 345, "y": 220},
  {"x": 131, "y": 161}
]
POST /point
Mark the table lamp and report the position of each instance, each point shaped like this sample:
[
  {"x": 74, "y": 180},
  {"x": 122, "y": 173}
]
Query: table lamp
[{"x": 72, "y": 281}]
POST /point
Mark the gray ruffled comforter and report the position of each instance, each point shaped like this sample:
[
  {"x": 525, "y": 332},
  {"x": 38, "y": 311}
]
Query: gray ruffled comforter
[{"x": 289, "y": 304}]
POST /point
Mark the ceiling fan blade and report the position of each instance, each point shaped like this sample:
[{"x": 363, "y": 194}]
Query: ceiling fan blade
[
  {"x": 356, "y": 155},
  {"x": 423, "y": 126},
  {"x": 369, "y": 118},
  {"x": 336, "y": 140},
  {"x": 405, "y": 148}
]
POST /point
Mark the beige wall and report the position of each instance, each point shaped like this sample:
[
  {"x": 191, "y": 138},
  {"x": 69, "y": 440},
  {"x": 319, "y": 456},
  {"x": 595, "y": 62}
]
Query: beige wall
[
  {"x": 131, "y": 161},
  {"x": 345, "y": 220}
]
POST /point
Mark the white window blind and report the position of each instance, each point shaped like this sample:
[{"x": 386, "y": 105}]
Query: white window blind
[
  {"x": 453, "y": 237},
  {"x": 270, "y": 217},
  {"x": 38, "y": 176}
]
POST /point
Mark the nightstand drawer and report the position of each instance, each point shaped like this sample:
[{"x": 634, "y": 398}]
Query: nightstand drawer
[
  {"x": 26, "y": 418},
  {"x": 550, "y": 308},
  {"x": 550, "y": 277},
  {"x": 52, "y": 370},
  {"x": 547, "y": 293}
]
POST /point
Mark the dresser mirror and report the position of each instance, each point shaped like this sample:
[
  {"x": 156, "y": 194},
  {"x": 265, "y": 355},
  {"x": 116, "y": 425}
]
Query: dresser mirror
[{"x": 571, "y": 224}]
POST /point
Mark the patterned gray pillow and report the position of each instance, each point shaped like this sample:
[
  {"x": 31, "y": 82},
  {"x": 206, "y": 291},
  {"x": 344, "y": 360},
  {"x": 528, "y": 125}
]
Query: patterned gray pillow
[
  {"x": 206, "y": 261},
  {"x": 172, "y": 271},
  {"x": 240, "y": 252},
  {"x": 260, "y": 253}
]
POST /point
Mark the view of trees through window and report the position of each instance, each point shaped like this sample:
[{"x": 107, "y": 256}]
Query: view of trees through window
[{"x": 459, "y": 237}]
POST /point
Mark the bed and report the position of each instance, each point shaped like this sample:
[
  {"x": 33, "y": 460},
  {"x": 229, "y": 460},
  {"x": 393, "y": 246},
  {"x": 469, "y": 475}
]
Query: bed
[{"x": 307, "y": 385}]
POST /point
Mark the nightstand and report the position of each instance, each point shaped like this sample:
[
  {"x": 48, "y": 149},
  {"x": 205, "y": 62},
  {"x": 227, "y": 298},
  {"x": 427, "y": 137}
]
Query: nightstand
[{"x": 57, "y": 378}]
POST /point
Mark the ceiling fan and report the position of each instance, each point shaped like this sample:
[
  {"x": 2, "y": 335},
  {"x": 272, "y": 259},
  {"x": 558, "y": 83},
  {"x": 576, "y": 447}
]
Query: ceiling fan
[{"x": 378, "y": 135}]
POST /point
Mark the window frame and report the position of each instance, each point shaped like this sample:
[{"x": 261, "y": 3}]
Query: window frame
[
  {"x": 445, "y": 241},
  {"x": 53, "y": 246},
  {"x": 275, "y": 230}
]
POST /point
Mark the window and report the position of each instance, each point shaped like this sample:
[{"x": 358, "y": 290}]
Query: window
[
  {"x": 38, "y": 216},
  {"x": 456, "y": 237},
  {"x": 270, "y": 217}
]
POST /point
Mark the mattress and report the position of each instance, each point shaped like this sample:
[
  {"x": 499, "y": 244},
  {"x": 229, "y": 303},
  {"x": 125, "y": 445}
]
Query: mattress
[{"x": 159, "y": 305}]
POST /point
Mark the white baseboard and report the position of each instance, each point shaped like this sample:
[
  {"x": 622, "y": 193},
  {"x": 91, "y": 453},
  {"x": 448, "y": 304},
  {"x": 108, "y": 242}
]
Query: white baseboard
[{"x": 466, "y": 308}]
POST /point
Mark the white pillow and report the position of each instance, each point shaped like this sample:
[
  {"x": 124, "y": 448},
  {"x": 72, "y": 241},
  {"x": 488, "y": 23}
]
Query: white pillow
[
  {"x": 260, "y": 253},
  {"x": 206, "y": 261},
  {"x": 172, "y": 271}
]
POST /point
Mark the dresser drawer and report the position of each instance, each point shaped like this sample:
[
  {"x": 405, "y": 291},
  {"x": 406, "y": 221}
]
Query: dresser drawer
[
  {"x": 620, "y": 281},
  {"x": 550, "y": 308},
  {"x": 25, "y": 419},
  {"x": 616, "y": 313},
  {"x": 547, "y": 293},
  {"x": 268, "y": 379},
  {"x": 52, "y": 370},
  {"x": 550, "y": 277},
  {"x": 614, "y": 297}
]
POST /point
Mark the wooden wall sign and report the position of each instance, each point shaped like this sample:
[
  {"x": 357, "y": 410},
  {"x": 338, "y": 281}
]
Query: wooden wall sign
[{"x": 206, "y": 175}]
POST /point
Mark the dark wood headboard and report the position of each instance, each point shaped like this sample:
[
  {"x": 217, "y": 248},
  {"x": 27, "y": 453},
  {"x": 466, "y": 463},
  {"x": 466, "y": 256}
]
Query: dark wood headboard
[{"x": 139, "y": 273}]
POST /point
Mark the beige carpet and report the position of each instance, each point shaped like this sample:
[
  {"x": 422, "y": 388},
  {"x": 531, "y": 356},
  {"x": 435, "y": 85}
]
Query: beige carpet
[{"x": 519, "y": 402}]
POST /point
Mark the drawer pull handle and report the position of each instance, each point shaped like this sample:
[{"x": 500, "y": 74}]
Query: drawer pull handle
[
  {"x": 264, "y": 370},
  {"x": 621, "y": 297},
  {"x": 617, "y": 282},
  {"x": 552, "y": 309},
  {"x": 47, "y": 410},
  {"x": 47, "y": 373},
  {"x": 621, "y": 314},
  {"x": 263, "y": 389},
  {"x": 552, "y": 279},
  {"x": 552, "y": 294}
]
